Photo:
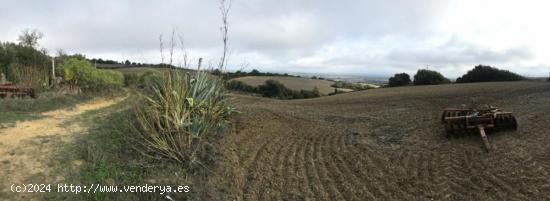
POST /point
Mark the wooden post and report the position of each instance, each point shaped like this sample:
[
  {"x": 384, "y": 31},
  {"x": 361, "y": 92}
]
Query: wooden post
[
  {"x": 484, "y": 137},
  {"x": 200, "y": 62},
  {"x": 53, "y": 72}
]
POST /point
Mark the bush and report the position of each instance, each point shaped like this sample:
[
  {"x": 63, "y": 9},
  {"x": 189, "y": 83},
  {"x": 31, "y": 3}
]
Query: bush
[
  {"x": 482, "y": 73},
  {"x": 399, "y": 79},
  {"x": 274, "y": 88},
  {"x": 81, "y": 73},
  {"x": 241, "y": 86},
  {"x": 308, "y": 94},
  {"x": 178, "y": 119},
  {"x": 427, "y": 77},
  {"x": 131, "y": 79},
  {"x": 150, "y": 78}
]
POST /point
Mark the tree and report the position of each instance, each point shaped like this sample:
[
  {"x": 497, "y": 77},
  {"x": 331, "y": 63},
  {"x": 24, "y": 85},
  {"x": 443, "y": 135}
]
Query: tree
[
  {"x": 254, "y": 72},
  {"x": 29, "y": 38},
  {"x": 482, "y": 73},
  {"x": 427, "y": 77},
  {"x": 399, "y": 79}
]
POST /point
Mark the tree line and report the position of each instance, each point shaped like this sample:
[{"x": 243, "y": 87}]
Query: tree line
[{"x": 479, "y": 73}]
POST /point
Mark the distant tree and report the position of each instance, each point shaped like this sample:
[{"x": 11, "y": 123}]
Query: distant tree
[
  {"x": 483, "y": 73},
  {"x": 29, "y": 38},
  {"x": 127, "y": 63},
  {"x": 216, "y": 71},
  {"x": 239, "y": 73},
  {"x": 399, "y": 79},
  {"x": 254, "y": 72},
  {"x": 427, "y": 77},
  {"x": 75, "y": 56}
]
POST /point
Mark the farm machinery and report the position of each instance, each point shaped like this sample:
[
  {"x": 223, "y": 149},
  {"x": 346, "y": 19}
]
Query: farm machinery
[
  {"x": 464, "y": 120},
  {"x": 7, "y": 89}
]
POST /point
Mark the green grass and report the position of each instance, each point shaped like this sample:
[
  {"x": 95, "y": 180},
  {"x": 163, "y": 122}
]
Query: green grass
[
  {"x": 109, "y": 157},
  {"x": 19, "y": 109},
  {"x": 103, "y": 152},
  {"x": 106, "y": 154}
]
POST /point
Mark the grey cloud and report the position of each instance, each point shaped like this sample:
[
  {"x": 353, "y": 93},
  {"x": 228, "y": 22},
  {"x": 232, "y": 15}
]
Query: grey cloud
[
  {"x": 370, "y": 36},
  {"x": 456, "y": 52}
]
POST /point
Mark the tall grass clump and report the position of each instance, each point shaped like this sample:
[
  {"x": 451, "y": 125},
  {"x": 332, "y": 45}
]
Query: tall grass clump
[{"x": 181, "y": 116}]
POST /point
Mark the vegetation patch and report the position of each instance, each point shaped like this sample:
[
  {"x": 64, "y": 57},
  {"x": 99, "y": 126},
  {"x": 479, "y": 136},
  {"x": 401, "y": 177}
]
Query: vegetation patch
[
  {"x": 24, "y": 65},
  {"x": 293, "y": 83},
  {"x": 429, "y": 77},
  {"x": 181, "y": 116},
  {"x": 273, "y": 89},
  {"x": 399, "y": 79},
  {"x": 81, "y": 73},
  {"x": 482, "y": 73}
]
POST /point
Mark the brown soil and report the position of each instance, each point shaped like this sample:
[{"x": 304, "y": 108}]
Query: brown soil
[
  {"x": 388, "y": 144},
  {"x": 26, "y": 147}
]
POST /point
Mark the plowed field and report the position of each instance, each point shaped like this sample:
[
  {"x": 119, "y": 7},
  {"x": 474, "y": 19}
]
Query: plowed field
[{"x": 388, "y": 144}]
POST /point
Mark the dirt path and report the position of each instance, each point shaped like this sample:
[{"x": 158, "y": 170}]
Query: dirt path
[
  {"x": 26, "y": 147},
  {"x": 388, "y": 144}
]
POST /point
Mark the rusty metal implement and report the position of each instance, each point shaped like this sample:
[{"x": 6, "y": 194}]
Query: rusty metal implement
[{"x": 459, "y": 121}]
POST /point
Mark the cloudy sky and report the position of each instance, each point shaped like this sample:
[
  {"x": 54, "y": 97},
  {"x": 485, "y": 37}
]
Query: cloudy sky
[{"x": 358, "y": 37}]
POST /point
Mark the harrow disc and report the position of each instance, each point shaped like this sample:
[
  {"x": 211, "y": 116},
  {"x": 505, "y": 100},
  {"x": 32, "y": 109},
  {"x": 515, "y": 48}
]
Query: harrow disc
[{"x": 506, "y": 122}]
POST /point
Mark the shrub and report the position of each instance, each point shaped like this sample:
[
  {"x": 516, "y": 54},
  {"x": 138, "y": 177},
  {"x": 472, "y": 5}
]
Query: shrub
[
  {"x": 482, "y": 73},
  {"x": 131, "y": 79},
  {"x": 150, "y": 78},
  {"x": 427, "y": 77},
  {"x": 309, "y": 94},
  {"x": 184, "y": 111},
  {"x": 274, "y": 88},
  {"x": 241, "y": 86},
  {"x": 81, "y": 73},
  {"x": 399, "y": 79}
]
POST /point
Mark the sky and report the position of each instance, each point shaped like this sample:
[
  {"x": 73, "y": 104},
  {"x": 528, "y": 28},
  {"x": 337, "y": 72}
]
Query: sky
[{"x": 348, "y": 37}]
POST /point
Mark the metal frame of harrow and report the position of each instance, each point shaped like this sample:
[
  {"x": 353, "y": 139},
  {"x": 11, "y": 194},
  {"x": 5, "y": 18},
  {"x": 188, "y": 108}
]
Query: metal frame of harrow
[{"x": 461, "y": 121}]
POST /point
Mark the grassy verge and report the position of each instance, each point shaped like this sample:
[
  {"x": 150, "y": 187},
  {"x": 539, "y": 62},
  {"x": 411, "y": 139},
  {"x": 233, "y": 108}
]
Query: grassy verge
[{"x": 106, "y": 156}]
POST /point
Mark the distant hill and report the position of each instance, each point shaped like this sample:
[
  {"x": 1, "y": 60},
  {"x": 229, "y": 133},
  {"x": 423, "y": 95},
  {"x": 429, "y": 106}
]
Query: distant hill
[{"x": 294, "y": 83}]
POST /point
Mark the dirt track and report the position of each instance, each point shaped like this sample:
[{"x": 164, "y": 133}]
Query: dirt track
[
  {"x": 388, "y": 144},
  {"x": 26, "y": 147}
]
